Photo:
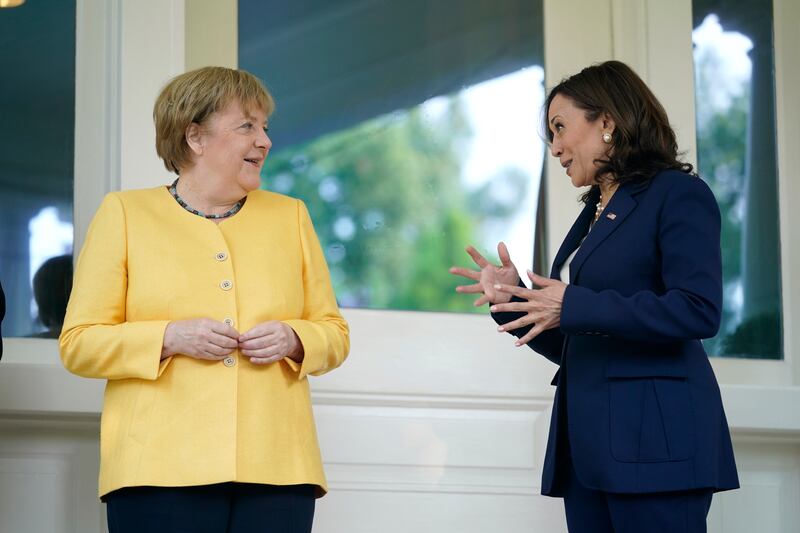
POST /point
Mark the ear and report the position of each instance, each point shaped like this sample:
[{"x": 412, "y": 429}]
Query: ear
[
  {"x": 608, "y": 123},
  {"x": 194, "y": 138}
]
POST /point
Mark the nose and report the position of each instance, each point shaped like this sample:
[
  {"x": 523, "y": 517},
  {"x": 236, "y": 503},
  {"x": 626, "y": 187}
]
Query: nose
[
  {"x": 555, "y": 148},
  {"x": 263, "y": 141}
]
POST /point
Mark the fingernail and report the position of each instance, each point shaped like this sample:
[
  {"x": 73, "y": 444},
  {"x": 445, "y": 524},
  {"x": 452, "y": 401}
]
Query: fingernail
[
  {"x": 493, "y": 308},
  {"x": 501, "y": 328},
  {"x": 497, "y": 286},
  {"x": 517, "y": 344}
]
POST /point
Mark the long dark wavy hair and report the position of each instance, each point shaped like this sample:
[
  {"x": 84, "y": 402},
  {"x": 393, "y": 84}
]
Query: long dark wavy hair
[{"x": 643, "y": 142}]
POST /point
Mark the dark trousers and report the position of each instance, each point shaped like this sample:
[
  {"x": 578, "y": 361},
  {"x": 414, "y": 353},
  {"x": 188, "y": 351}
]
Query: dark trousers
[
  {"x": 220, "y": 508},
  {"x": 591, "y": 511}
]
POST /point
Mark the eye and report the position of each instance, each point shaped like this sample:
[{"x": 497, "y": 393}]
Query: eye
[
  {"x": 266, "y": 129},
  {"x": 558, "y": 126},
  {"x": 247, "y": 126}
]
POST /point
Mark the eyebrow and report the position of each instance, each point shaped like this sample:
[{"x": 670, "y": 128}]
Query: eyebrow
[{"x": 251, "y": 118}]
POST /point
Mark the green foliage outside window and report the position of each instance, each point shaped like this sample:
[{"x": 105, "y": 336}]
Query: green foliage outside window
[
  {"x": 722, "y": 151},
  {"x": 389, "y": 208}
]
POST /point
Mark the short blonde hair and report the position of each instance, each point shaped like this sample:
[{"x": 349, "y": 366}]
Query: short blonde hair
[{"x": 193, "y": 97}]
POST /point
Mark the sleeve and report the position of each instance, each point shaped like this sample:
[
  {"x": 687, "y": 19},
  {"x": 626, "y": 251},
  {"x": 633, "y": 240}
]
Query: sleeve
[
  {"x": 548, "y": 343},
  {"x": 322, "y": 330},
  {"x": 691, "y": 268},
  {"x": 97, "y": 341}
]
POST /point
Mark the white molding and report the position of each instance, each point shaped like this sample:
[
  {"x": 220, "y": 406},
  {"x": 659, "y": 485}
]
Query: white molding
[
  {"x": 629, "y": 32},
  {"x": 153, "y": 51},
  {"x": 97, "y": 108},
  {"x": 759, "y": 372},
  {"x": 787, "y": 80},
  {"x": 39, "y": 388},
  {"x": 322, "y": 396},
  {"x": 571, "y": 43},
  {"x": 670, "y": 67},
  {"x": 52, "y": 469}
]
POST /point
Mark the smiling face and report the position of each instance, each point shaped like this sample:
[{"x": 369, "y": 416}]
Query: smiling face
[
  {"x": 233, "y": 145},
  {"x": 576, "y": 141}
]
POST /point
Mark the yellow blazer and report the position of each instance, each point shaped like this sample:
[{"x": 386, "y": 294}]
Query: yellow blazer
[{"x": 183, "y": 421}]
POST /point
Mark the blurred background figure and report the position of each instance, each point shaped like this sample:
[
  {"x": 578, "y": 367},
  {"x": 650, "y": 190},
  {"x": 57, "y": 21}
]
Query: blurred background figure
[{"x": 52, "y": 284}]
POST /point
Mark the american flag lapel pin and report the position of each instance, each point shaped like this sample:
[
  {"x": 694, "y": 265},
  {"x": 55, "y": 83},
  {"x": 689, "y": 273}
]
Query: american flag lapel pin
[{"x": 611, "y": 216}]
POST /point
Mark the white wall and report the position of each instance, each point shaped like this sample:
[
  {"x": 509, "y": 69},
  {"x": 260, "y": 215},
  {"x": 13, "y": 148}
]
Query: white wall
[{"x": 435, "y": 423}]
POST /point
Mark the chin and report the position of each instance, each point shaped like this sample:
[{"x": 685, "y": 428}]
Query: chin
[
  {"x": 250, "y": 183},
  {"x": 577, "y": 183}
]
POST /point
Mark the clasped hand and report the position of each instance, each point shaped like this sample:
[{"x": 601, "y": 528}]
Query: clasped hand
[
  {"x": 204, "y": 338},
  {"x": 497, "y": 284}
]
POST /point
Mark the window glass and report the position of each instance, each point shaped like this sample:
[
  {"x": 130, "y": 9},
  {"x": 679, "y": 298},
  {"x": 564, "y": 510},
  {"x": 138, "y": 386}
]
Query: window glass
[
  {"x": 410, "y": 131},
  {"x": 736, "y": 153},
  {"x": 37, "y": 106}
]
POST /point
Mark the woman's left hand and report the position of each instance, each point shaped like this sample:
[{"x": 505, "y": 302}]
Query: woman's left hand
[
  {"x": 542, "y": 307},
  {"x": 269, "y": 342}
]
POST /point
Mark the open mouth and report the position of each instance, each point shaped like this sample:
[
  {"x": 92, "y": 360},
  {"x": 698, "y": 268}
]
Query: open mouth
[
  {"x": 254, "y": 162},
  {"x": 566, "y": 165}
]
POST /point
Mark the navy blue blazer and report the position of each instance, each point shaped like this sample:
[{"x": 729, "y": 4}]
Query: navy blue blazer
[{"x": 635, "y": 392}]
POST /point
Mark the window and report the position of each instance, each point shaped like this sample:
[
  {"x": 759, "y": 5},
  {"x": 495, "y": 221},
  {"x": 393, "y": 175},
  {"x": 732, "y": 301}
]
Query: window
[
  {"x": 37, "y": 102},
  {"x": 410, "y": 131},
  {"x": 736, "y": 147}
]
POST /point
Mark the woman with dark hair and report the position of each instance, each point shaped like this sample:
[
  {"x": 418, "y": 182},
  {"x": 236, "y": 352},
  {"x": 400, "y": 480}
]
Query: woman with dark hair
[{"x": 638, "y": 436}]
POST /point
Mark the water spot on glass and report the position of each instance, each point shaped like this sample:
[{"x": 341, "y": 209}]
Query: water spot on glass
[
  {"x": 373, "y": 220},
  {"x": 409, "y": 232},
  {"x": 335, "y": 252},
  {"x": 344, "y": 228},
  {"x": 329, "y": 189},
  {"x": 300, "y": 163},
  {"x": 314, "y": 174},
  {"x": 283, "y": 182}
]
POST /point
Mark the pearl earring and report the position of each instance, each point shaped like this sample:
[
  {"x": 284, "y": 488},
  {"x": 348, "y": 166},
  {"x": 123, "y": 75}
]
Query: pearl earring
[{"x": 606, "y": 137}]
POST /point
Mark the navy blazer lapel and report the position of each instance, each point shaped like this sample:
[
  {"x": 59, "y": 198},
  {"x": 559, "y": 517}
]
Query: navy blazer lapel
[
  {"x": 620, "y": 206},
  {"x": 574, "y": 236}
]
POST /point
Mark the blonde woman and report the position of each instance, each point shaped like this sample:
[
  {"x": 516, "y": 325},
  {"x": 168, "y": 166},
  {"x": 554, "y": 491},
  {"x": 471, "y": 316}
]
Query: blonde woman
[{"x": 206, "y": 304}]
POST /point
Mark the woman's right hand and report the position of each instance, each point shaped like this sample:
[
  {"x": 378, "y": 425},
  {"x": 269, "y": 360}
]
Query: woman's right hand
[
  {"x": 201, "y": 338},
  {"x": 488, "y": 276}
]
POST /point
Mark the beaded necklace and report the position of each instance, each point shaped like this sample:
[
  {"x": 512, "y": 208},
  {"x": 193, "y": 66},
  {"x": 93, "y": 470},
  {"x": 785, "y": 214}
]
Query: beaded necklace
[
  {"x": 599, "y": 209},
  {"x": 173, "y": 190}
]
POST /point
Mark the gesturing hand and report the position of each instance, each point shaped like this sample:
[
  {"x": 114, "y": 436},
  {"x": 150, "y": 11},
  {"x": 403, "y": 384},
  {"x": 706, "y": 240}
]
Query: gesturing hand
[
  {"x": 269, "y": 342},
  {"x": 488, "y": 276},
  {"x": 201, "y": 338},
  {"x": 542, "y": 307}
]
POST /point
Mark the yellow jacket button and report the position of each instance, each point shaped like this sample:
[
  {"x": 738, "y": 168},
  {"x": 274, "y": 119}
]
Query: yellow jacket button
[
  {"x": 221, "y": 256},
  {"x": 226, "y": 284},
  {"x": 229, "y": 361}
]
